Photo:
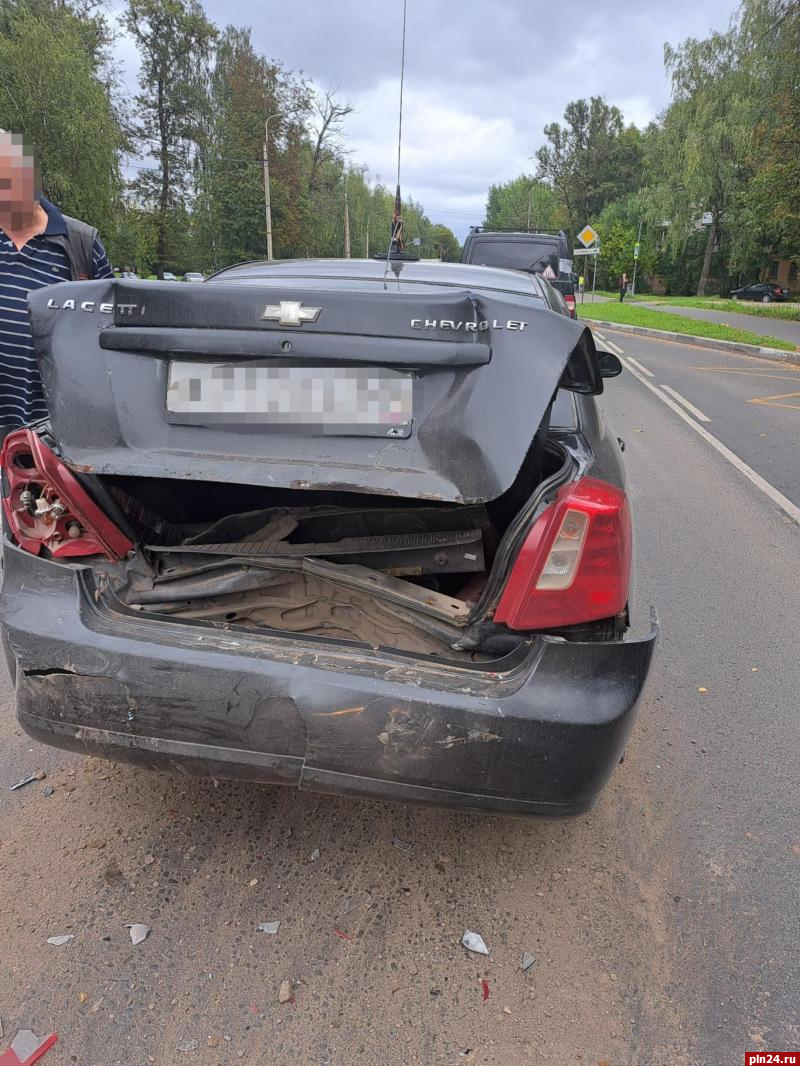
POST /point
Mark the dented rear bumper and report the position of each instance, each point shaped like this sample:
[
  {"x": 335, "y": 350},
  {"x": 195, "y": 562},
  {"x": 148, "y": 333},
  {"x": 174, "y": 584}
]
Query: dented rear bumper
[{"x": 540, "y": 734}]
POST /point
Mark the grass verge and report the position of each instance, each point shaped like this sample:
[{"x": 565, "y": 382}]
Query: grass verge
[
  {"x": 788, "y": 312},
  {"x": 631, "y": 315},
  {"x": 785, "y": 312}
]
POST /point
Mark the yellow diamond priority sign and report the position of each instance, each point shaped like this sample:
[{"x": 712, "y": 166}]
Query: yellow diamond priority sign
[{"x": 587, "y": 236}]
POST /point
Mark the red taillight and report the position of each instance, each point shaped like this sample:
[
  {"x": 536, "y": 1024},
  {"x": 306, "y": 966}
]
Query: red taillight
[
  {"x": 570, "y": 301},
  {"x": 47, "y": 507},
  {"x": 575, "y": 563}
]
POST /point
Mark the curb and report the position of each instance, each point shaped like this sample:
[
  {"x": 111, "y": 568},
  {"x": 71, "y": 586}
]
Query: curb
[{"x": 701, "y": 342}]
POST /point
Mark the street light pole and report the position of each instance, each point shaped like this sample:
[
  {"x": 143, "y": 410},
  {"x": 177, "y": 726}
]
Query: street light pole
[{"x": 267, "y": 192}]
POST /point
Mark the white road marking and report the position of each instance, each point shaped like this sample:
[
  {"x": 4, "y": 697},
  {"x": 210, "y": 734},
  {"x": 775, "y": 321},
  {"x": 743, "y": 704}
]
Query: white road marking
[
  {"x": 770, "y": 491},
  {"x": 639, "y": 366},
  {"x": 613, "y": 347},
  {"x": 598, "y": 334},
  {"x": 690, "y": 407}
]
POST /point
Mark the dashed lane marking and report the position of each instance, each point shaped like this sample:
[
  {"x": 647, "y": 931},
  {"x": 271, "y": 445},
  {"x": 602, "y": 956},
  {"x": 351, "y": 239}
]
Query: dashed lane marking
[
  {"x": 690, "y": 407},
  {"x": 770, "y": 491},
  {"x": 639, "y": 366},
  {"x": 613, "y": 347}
]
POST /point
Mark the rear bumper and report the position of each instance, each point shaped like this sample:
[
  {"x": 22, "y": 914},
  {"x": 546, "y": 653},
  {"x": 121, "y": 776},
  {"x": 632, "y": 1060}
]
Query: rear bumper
[{"x": 540, "y": 736}]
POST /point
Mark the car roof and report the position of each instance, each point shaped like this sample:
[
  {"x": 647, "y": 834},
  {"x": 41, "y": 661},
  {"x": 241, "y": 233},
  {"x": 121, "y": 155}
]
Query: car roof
[
  {"x": 368, "y": 272},
  {"x": 519, "y": 235}
]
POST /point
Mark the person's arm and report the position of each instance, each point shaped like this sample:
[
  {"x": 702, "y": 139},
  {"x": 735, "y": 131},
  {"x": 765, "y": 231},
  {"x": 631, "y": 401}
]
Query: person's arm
[{"x": 101, "y": 268}]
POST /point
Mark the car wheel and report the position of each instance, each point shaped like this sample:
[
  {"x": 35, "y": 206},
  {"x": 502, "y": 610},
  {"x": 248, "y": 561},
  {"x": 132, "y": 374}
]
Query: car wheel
[
  {"x": 734, "y": 296},
  {"x": 766, "y": 299}
]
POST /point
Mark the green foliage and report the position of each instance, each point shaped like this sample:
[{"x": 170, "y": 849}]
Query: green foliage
[
  {"x": 618, "y": 228},
  {"x": 174, "y": 39},
  {"x": 229, "y": 210},
  {"x": 54, "y": 89},
  {"x": 445, "y": 243},
  {"x": 773, "y": 29},
  {"x": 524, "y": 204},
  {"x": 591, "y": 160},
  {"x": 696, "y": 158}
]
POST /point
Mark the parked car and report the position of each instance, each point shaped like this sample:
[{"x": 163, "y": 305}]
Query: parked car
[
  {"x": 312, "y": 527},
  {"x": 547, "y": 254},
  {"x": 764, "y": 291},
  {"x": 194, "y": 277},
  {"x": 129, "y": 275},
  {"x": 168, "y": 276}
]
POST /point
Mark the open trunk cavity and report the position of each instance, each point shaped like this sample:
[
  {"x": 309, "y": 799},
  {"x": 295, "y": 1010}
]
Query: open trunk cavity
[{"x": 388, "y": 572}]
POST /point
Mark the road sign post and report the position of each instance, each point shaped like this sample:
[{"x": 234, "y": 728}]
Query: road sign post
[{"x": 591, "y": 246}]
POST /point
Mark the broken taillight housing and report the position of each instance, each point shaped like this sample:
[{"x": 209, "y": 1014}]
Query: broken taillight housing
[
  {"x": 575, "y": 563},
  {"x": 569, "y": 300},
  {"x": 46, "y": 506}
]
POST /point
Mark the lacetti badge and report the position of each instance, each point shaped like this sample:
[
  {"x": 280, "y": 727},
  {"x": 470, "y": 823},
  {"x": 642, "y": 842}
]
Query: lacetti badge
[
  {"x": 290, "y": 313},
  {"x": 92, "y": 306},
  {"x": 468, "y": 327}
]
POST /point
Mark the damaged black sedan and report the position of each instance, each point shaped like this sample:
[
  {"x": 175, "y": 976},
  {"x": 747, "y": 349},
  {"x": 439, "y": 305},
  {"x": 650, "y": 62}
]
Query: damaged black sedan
[{"x": 311, "y": 524}]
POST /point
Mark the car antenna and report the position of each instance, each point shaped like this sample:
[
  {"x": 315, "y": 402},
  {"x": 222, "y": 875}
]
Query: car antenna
[{"x": 396, "y": 244}]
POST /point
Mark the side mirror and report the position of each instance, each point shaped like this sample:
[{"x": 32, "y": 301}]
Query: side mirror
[{"x": 609, "y": 364}]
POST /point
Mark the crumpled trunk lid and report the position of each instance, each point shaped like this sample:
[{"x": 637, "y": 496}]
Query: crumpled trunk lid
[{"x": 446, "y": 387}]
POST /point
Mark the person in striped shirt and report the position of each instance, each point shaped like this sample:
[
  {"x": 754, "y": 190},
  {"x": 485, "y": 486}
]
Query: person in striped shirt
[{"x": 37, "y": 248}]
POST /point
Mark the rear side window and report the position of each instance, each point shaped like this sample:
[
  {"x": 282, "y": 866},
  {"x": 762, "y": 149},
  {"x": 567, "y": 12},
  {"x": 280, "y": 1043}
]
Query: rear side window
[{"x": 515, "y": 255}]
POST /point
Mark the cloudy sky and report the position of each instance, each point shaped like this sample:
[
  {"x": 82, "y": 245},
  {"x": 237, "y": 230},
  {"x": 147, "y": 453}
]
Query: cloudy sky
[{"x": 482, "y": 76}]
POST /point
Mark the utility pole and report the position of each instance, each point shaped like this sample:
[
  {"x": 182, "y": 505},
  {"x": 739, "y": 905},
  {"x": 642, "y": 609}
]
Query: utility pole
[
  {"x": 636, "y": 258},
  {"x": 346, "y": 221},
  {"x": 366, "y": 249}
]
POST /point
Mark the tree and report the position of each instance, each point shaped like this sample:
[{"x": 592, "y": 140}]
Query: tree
[
  {"x": 524, "y": 204},
  {"x": 772, "y": 30},
  {"x": 175, "y": 42},
  {"x": 591, "y": 160},
  {"x": 55, "y": 88},
  {"x": 245, "y": 90},
  {"x": 698, "y": 157},
  {"x": 446, "y": 243},
  {"x": 618, "y": 229},
  {"x": 330, "y": 115}
]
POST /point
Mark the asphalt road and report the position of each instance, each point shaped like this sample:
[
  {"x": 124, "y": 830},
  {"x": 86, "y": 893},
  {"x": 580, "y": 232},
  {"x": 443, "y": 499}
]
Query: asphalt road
[
  {"x": 664, "y": 923},
  {"x": 786, "y": 329},
  {"x": 752, "y": 405}
]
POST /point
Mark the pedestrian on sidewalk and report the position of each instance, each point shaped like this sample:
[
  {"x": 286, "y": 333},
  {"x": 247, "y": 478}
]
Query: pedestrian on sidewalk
[
  {"x": 38, "y": 246},
  {"x": 623, "y": 287}
]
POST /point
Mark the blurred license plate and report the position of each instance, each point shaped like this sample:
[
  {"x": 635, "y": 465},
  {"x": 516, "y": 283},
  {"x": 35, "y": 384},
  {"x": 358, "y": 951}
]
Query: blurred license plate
[{"x": 363, "y": 401}]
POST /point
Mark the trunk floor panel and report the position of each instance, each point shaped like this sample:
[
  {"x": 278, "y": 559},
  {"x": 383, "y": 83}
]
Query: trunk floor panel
[{"x": 296, "y": 602}]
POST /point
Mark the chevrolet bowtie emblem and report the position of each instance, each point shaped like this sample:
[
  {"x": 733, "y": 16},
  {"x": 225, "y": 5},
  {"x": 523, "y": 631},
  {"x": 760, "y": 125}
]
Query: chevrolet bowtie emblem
[{"x": 290, "y": 313}]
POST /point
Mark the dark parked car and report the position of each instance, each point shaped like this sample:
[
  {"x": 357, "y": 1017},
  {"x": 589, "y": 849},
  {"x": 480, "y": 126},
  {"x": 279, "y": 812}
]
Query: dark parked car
[
  {"x": 546, "y": 254},
  {"x": 304, "y": 525},
  {"x": 764, "y": 291}
]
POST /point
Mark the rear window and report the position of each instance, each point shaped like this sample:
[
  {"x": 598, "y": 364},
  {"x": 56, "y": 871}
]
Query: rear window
[{"x": 515, "y": 255}]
